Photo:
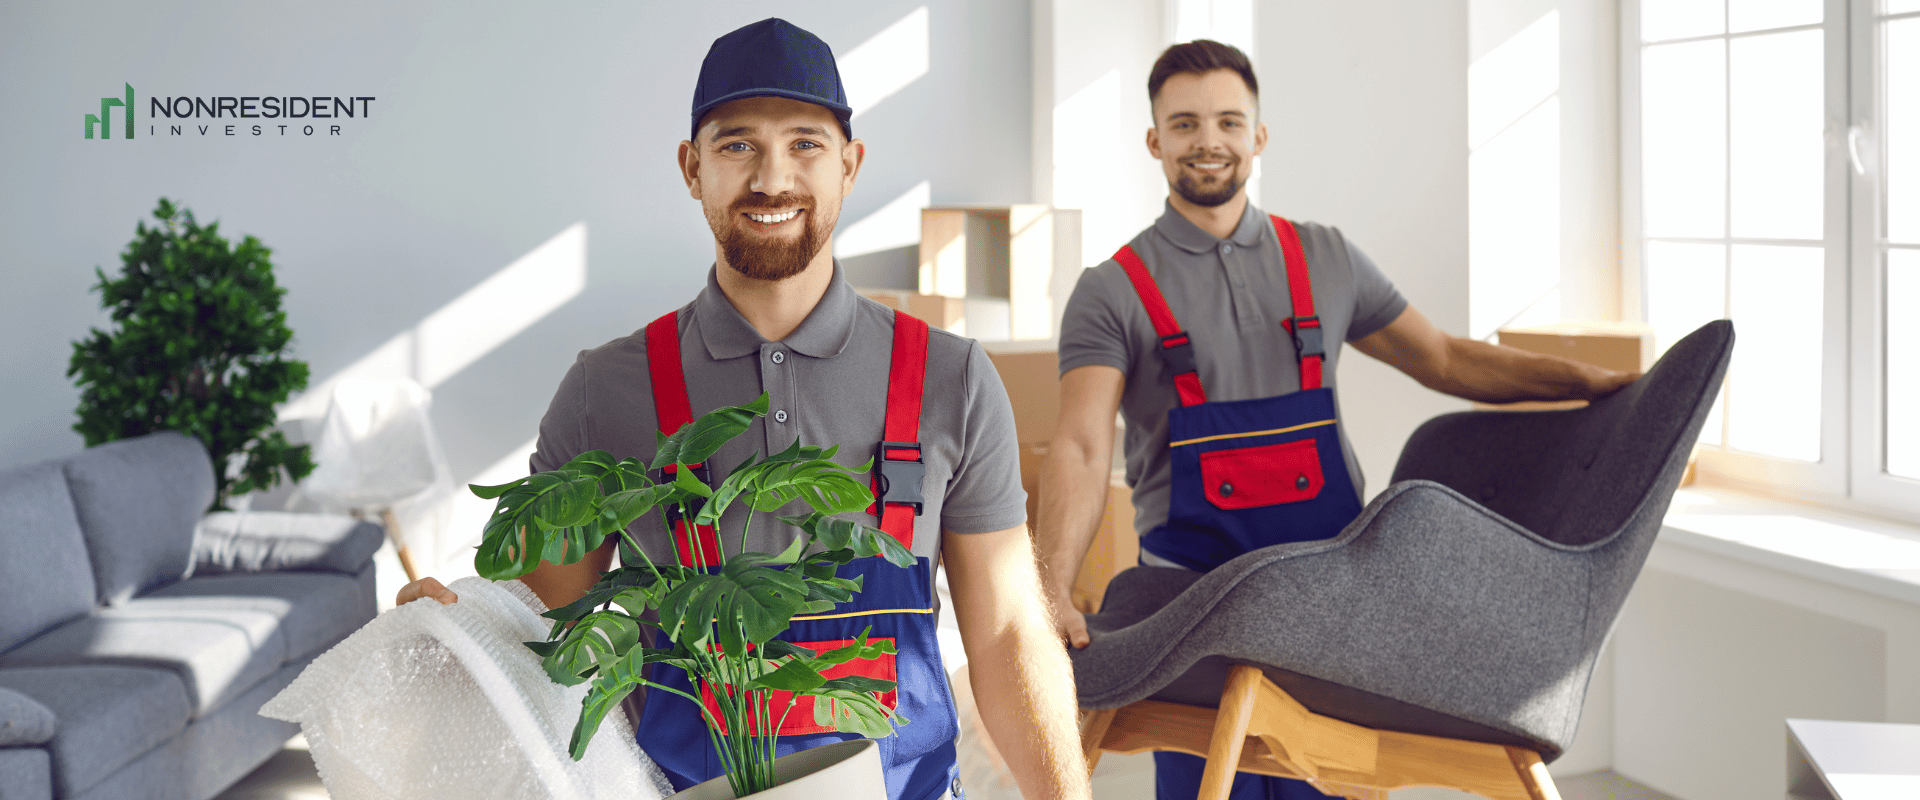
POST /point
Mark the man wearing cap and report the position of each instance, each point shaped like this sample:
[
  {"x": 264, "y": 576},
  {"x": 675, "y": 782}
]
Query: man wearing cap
[
  {"x": 770, "y": 158},
  {"x": 1216, "y": 332}
]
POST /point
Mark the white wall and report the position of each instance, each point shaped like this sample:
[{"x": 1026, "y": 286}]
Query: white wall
[
  {"x": 1365, "y": 106},
  {"x": 498, "y": 126}
]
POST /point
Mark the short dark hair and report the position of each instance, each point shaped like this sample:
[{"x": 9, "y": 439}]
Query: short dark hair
[{"x": 1199, "y": 57}]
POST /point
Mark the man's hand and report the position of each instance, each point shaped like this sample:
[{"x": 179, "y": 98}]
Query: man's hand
[
  {"x": 425, "y": 587},
  {"x": 1070, "y": 623},
  {"x": 1482, "y": 371}
]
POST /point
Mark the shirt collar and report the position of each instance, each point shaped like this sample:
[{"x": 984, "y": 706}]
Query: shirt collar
[
  {"x": 1189, "y": 237},
  {"x": 823, "y": 334}
]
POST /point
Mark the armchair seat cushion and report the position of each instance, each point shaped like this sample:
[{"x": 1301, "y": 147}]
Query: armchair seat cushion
[{"x": 108, "y": 716}]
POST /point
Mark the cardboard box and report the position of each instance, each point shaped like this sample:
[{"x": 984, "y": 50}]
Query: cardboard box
[
  {"x": 945, "y": 313},
  {"x": 1031, "y": 372},
  {"x": 1027, "y": 255},
  {"x": 1623, "y": 346},
  {"x": 1115, "y": 548}
]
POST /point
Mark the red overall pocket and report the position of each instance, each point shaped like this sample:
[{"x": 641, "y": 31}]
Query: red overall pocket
[
  {"x": 1268, "y": 475},
  {"x": 800, "y": 719}
]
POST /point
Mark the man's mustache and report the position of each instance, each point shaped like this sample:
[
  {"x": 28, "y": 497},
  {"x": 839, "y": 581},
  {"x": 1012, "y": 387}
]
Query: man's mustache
[{"x": 781, "y": 200}]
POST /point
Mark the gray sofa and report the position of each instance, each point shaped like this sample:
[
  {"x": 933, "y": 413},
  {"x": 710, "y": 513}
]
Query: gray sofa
[{"x": 139, "y": 635}]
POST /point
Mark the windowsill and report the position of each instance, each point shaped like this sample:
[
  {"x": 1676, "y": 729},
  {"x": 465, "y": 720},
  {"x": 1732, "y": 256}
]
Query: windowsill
[{"x": 1868, "y": 555}]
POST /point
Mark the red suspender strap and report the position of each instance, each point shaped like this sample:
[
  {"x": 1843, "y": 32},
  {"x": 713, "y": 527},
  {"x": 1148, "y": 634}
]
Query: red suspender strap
[
  {"x": 673, "y": 410},
  {"x": 1308, "y": 340},
  {"x": 898, "y": 470},
  {"x": 1175, "y": 346}
]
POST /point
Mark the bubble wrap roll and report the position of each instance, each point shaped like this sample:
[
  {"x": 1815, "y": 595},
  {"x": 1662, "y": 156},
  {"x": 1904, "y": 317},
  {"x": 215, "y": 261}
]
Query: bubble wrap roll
[{"x": 445, "y": 701}]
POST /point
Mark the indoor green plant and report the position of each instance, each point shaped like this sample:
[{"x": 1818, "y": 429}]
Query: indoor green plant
[
  {"x": 720, "y": 620},
  {"x": 201, "y": 348}
]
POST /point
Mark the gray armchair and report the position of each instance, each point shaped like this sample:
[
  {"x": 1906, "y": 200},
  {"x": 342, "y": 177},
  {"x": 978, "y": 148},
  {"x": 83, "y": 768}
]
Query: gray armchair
[{"x": 1467, "y": 602}]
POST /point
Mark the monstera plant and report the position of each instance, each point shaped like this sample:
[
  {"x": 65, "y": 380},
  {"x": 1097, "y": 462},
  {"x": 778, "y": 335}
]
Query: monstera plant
[{"x": 719, "y": 621}]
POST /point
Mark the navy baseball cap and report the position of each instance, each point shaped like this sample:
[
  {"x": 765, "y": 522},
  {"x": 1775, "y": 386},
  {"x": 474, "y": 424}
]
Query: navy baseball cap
[{"x": 770, "y": 58}]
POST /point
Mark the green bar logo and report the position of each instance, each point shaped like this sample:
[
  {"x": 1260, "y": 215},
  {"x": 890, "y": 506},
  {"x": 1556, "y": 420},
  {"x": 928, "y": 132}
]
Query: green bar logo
[{"x": 102, "y": 120}]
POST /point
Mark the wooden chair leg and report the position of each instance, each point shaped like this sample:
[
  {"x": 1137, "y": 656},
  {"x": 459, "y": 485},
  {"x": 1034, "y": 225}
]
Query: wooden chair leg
[
  {"x": 1093, "y": 728},
  {"x": 399, "y": 544},
  {"x": 1229, "y": 732},
  {"x": 1532, "y": 773}
]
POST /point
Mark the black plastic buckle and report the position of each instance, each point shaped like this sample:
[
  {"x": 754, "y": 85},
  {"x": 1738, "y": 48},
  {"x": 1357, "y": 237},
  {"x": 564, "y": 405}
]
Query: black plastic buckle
[
  {"x": 900, "y": 478},
  {"x": 701, "y": 473},
  {"x": 1177, "y": 349},
  {"x": 1308, "y": 338}
]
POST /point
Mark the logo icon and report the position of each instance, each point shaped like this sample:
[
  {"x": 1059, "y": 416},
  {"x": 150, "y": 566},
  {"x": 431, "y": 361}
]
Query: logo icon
[{"x": 103, "y": 119}]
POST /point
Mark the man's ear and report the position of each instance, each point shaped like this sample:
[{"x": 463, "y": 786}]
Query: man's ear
[
  {"x": 851, "y": 157},
  {"x": 690, "y": 167},
  {"x": 1259, "y": 138},
  {"x": 1153, "y": 142}
]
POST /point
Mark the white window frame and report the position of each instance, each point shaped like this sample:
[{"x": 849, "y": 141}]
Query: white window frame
[{"x": 1850, "y": 473}]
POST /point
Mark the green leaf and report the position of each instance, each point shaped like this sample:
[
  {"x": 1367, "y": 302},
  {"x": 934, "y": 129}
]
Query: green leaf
[
  {"x": 698, "y": 440},
  {"x": 851, "y": 712},
  {"x": 794, "y": 676},
  {"x": 631, "y": 504},
  {"x": 686, "y": 481},
  {"x": 598, "y": 638},
  {"x": 864, "y": 540}
]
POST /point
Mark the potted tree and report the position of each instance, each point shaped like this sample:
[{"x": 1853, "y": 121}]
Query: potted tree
[
  {"x": 200, "y": 346},
  {"x": 719, "y": 622}
]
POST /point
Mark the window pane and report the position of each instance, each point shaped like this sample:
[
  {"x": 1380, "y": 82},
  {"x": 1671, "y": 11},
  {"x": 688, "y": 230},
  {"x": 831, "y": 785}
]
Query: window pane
[
  {"x": 1775, "y": 299},
  {"x": 1684, "y": 144},
  {"x": 1755, "y": 15},
  {"x": 1903, "y": 363},
  {"x": 1902, "y": 6},
  {"x": 1674, "y": 19},
  {"x": 1777, "y": 141},
  {"x": 1686, "y": 288},
  {"x": 1903, "y": 129}
]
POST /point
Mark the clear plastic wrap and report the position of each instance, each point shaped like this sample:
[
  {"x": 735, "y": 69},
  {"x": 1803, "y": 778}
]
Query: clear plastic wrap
[{"x": 445, "y": 701}]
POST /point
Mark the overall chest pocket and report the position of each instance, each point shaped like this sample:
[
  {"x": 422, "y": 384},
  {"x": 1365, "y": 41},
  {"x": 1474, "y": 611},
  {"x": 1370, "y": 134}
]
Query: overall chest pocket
[{"x": 1267, "y": 475}]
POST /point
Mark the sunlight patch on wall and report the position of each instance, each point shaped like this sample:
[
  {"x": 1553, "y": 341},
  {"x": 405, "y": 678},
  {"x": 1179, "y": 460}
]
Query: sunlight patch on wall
[
  {"x": 896, "y": 224},
  {"x": 1513, "y": 183},
  {"x": 881, "y": 66},
  {"x": 463, "y": 331}
]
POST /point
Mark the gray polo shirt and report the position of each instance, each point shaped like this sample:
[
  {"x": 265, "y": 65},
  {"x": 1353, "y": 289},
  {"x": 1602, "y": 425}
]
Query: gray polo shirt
[
  {"x": 828, "y": 385},
  {"x": 1231, "y": 296}
]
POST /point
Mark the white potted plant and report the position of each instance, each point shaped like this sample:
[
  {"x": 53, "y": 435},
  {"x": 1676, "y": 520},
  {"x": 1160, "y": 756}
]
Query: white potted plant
[{"x": 720, "y": 622}]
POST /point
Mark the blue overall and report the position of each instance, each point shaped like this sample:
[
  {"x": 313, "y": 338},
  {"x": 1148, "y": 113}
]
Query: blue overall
[
  {"x": 1247, "y": 474},
  {"x": 897, "y": 603}
]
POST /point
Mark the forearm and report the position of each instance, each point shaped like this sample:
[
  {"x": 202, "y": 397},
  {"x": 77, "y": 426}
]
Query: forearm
[
  {"x": 1491, "y": 373},
  {"x": 1023, "y": 683},
  {"x": 1072, "y": 498}
]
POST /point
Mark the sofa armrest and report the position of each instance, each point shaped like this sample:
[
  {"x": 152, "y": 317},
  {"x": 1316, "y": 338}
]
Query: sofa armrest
[
  {"x": 24, "y": 722},
  {"x": 265, "y": 541}
]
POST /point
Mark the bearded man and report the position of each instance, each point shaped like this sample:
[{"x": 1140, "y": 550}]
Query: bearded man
[{"x": 770, "y": 157}]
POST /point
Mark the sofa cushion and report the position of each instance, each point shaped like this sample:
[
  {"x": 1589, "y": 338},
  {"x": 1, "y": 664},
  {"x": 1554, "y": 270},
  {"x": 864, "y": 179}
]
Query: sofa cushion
[
  {"x": 315, "y": 609},
  {"x": 108, "y": 716},
  {"x": 23, "y": 720},
  {"x": 137, "y": 501},
  {"x": 264, "y": 541},
  {"x": 218, "y": 649},
  {"x": 25, "y": 774},
  {"x": 45, "y": 577}
]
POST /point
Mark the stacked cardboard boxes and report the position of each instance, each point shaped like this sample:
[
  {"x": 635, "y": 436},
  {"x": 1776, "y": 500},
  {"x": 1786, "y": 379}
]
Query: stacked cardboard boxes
[
  {"x": 1624, "y": 346},
  {"x": 1030, "y": 370}
]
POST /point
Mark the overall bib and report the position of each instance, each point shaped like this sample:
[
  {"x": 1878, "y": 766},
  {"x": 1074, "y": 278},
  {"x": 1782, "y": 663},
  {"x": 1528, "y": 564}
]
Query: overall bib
[
  {"x": 1247, "y": 474},
  {"x": 897, "y": 603}
]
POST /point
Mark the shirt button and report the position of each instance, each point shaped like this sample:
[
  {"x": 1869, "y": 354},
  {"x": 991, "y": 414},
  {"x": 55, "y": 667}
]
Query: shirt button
[
  {"x": 780, "y": 416},
  {"x": 779, "y": 357},
  {"x": 1226, "y": 248}
]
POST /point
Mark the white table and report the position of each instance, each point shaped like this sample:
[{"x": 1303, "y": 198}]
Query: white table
[{"x": 1829, "y": 760}]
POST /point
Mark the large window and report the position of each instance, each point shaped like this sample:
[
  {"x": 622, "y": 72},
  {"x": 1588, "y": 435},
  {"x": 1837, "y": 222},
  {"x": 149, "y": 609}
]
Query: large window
[{"x": 1773, "y": 151}]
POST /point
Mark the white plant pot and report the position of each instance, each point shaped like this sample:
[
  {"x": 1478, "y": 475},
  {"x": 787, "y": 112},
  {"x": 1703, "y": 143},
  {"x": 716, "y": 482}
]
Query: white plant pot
[{"x": 847, "y": 770}]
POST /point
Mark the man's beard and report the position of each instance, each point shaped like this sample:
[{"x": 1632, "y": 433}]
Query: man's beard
[
  {"x": 769, "y": 259},
  {"x": 1189, "y": 189}
]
